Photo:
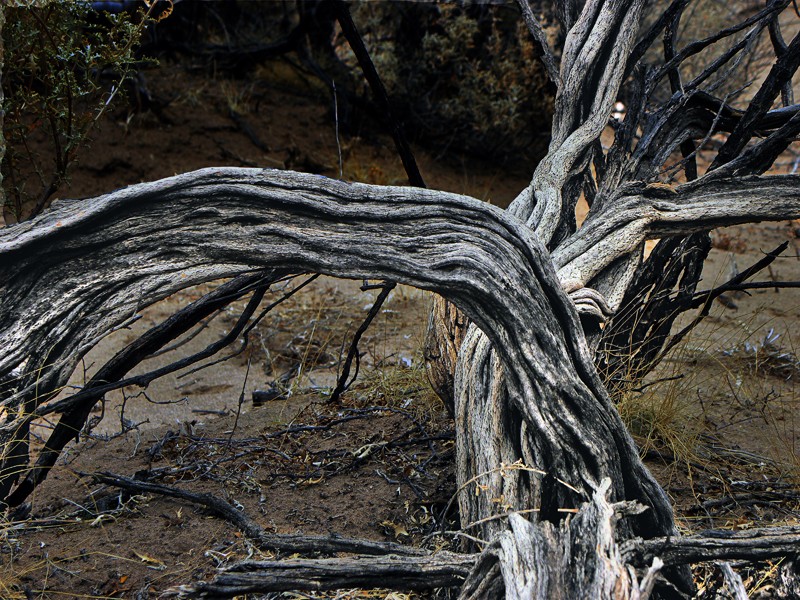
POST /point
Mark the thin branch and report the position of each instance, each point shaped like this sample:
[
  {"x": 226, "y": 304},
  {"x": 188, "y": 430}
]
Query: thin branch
[
  {"x": 342, "y": 384},
  {"x": 539, "y": 36},
  {"x": 779, "y": 47},
  {"x": 289, "y": 543},
  {"x": 100, "y": 388},
  {"x": 705, "y": 299},
  {"x": 700, "y": 45},
  {"x": 75, "y": 413},
  {"x": 782, "y": 71},
  {"x": 380, "y": 96},
  {"x": 688, "y": 148},
  {"x": 248, "y": 327},
  {"x": 378, "y": 91},
  {"x": 739, "y": 280},
  {"x": 675, "y": 8}
]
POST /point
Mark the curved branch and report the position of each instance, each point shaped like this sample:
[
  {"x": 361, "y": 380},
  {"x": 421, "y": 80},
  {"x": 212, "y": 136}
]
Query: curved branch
[
  {"x": 288, "y": 543},
  {"x": 656, "y": 211},
  {"x": 167, "y": 235},
  {"x": 592, "y": 72},
  {"x": 76, "y": 272}
]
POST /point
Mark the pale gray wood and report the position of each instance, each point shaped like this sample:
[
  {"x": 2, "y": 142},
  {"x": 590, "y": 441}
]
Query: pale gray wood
[
  {"x": 394, "y": 572},
  {"x": 78, "y": 271},
  {"x": 734, "y": 582},
  {"x": 641, "y": 212},
  {"x": 751, "y": 544},
  {"x": 535, "y": 429}
]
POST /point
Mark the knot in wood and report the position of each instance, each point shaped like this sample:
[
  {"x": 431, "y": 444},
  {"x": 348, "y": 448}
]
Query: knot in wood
[{"x": 589, "y": 301}]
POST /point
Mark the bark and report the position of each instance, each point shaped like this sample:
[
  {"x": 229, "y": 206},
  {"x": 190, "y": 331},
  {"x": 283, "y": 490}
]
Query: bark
[
  {"x": 536, "y": 431},
  {"x": 75, "y": 413},
  {"x": 393, "y": 572},
  {"x": 527, "y": 561},
  {"x": 752, "y": 544},
  {"x": 533, "y": 563},
  {"x": 447, "y": 327},
  {"x": 147, "y": 241}
]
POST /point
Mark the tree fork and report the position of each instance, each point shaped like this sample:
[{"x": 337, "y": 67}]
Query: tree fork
[{"x": 61, "y": 293}]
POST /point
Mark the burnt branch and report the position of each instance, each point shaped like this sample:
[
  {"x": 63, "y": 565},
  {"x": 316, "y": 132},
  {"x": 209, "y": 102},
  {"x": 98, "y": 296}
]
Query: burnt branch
[
  {"x": 539, "y": 36},
  {"x": 352, "y": 354},
  {"x": 440, "y": 570}
]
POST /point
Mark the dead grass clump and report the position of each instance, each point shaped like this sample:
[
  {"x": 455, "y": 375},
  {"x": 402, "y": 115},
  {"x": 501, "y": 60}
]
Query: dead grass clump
[
  {"x": 767, "y": 356},
  {"x": 721, "y": 403},
  {"x": 664, "y": 416},
  {"x": 401, "y": 386}
]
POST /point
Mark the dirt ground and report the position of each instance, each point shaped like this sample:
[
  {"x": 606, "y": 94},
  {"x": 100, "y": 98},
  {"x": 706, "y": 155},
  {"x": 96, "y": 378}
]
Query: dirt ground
[{"x": 717, "y": 424}]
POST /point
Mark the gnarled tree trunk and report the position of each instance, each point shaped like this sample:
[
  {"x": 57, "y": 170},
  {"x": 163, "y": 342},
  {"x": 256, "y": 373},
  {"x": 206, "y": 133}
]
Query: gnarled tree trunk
[
  {"x": 528, "y": 396},
  {"x": 537, "y": 435}
]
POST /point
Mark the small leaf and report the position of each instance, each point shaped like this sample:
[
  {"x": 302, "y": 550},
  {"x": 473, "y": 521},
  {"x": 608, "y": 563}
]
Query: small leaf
[
  {"x": 399, "y": 528},
  {"x": 153, "y": 563}
]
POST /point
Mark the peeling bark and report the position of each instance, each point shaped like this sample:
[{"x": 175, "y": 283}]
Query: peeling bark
[{"x": 444, "y": 335}]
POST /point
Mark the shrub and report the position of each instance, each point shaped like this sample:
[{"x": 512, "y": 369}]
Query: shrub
[{"x": 64, "y": 66}]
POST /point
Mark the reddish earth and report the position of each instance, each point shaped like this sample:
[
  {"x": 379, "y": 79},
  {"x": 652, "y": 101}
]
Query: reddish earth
[{"x": 728, "y": 422}]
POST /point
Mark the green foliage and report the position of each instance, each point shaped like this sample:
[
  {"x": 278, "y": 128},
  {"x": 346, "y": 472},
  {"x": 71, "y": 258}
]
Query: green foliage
[{"x": 64, "y": 65}]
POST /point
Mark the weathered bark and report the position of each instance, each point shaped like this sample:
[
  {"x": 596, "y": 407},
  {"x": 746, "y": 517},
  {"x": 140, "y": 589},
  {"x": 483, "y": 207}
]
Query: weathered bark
[
  {"x": 536, "y": 430},
  {"x": 393, "y": 572},
  {"x": 527, "y": 561},
  {"x": 110, "y": 375},
  {"x": 447, "y": 327},
  {"x": 579, "y": 558},
  {"x": 751, "y": 544},
  {"x": 147, "y": 241}
]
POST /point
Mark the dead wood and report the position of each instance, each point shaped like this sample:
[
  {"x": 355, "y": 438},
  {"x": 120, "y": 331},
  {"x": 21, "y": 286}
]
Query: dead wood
[
  {"x": 287, "y": 543},
  {"x": 281, "y": 220},
  {"x": 536, "y": 430},
  {"x": 439, "y": 570},
  {"x": 751, "y": 544},
  {"x": 444, "y": 335},
  {"x": 527, "y": 561},
  {"x": 76, "y": 409}
]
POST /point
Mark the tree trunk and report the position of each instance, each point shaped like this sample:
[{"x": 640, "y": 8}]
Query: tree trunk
[
  {"x": 447, "y": 327},
  {"x": 536, "y": 430},
  {"x": 537, "y": 435}
]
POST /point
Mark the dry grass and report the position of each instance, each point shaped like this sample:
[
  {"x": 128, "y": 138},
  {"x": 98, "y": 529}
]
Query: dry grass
[{"x": 724, "y": 395}]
